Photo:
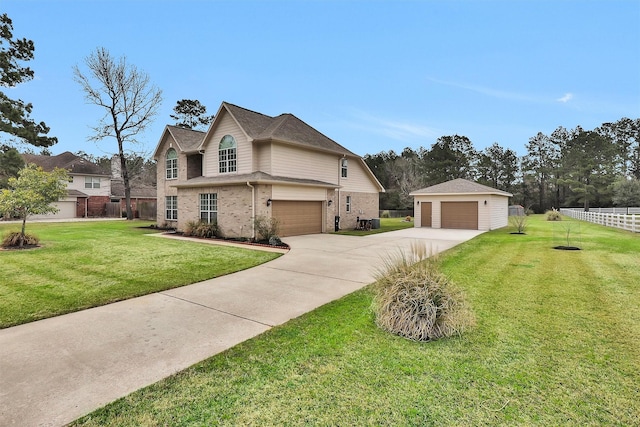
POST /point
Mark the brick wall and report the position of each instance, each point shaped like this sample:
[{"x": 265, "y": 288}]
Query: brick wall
[
  {"x": 363, "y": 205},
  {"x": 96, "y": 205}
]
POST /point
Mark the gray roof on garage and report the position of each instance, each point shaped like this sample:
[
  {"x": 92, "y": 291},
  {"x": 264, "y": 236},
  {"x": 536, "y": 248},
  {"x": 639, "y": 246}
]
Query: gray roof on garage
[{"x": 459, "y": 186}]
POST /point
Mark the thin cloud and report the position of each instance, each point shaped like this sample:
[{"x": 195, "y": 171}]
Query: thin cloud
[
  {"x": 494, "y": 93},
  {"x": 397, "y": 130},
  {"x": 566, "y": 98}
]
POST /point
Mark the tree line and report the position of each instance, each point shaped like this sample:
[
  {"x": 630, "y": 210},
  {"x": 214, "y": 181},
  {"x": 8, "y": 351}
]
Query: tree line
[{"x": 577, "y": 167}]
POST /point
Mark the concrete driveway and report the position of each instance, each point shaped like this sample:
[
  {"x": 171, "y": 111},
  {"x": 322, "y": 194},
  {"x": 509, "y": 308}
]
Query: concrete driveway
[{"x": 56, "y": 370}]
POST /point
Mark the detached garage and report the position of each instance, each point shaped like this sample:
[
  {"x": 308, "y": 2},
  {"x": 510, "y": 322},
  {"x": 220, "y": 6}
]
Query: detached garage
[{"x": 461, "y": 204}]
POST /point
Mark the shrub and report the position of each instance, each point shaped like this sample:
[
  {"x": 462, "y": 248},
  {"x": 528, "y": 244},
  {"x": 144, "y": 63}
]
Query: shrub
[
  {"x": 408, "y": 218},
  {"x": 553, "y": 215},
  {"x": 267, "y": 228},
  {"x": 416, "y": 301},
  {"x": 12, "y": 240},
  {"x": 385, "y": 214},
  {"x": 202, "y": 229},
  {"x": 519, "y": 222}
]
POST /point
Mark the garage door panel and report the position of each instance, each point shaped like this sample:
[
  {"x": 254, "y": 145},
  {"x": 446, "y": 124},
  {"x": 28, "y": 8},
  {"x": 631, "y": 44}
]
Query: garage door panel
[
  {"x": 459, "y": 215},
  {"x": 298, "y": 217}
]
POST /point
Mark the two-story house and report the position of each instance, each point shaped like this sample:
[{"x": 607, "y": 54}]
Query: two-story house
[
  {"x": 249, "y": 165},
  {"x": 89, "y": 188}
]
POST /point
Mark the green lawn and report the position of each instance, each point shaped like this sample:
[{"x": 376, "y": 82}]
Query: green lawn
[
  {"x": 386, "y": 224},
  {"x": 557, "y": 343},
  {"x": 86, "y": 264}
]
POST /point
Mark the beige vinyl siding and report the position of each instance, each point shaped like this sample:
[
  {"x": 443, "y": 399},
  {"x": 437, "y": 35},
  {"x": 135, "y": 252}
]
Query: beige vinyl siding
[
  {"x": 358, "y": 179},
  {"x": 227, "y": 126},
  {"x": 262, "y": 157},
  {"x": 295, "y": 162},
  {"x": 499, "y": 212},
  {"x": 78, "y": 184},
  {"x": 285, "y": 192}
]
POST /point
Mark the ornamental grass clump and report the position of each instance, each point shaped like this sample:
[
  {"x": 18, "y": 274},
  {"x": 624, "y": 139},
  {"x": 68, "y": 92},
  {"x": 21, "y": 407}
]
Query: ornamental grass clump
[
  {"x": 553, "y": 215},
  {"x": 12, "y": 240},
  {"x": 414, "y": 300}
]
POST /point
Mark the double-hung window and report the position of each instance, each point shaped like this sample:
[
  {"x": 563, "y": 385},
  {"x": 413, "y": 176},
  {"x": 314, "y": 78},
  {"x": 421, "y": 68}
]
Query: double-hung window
[
  {"x": 227, "y": 155},
  {"x": 91, "y": 182},
  {"x": 172, "y": 164},
  {"x": 343, "y": 166},
  {"x": 209, "y": 208},
  {"x": 347, "y": 205},
  {"x": 171, "y": 207}
]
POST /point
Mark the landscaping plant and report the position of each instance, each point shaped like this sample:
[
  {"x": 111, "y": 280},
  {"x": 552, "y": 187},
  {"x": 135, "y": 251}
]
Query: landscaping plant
[
  {"x": 268, "y": 229},
  {"x": 519, "y": 222},
  {"x": 414, "y": 300},
  {"x": 15, "y": 239},
  {"x": 202, "y": 229},
  {"x": 553, "y": 215}
]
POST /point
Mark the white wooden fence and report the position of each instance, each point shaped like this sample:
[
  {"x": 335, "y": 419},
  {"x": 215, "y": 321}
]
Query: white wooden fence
[{"x": 629, "y": 222}]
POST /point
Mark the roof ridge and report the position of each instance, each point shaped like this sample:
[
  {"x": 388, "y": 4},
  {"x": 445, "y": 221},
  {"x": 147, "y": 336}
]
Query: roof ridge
[{"x": 246, "y": 109}]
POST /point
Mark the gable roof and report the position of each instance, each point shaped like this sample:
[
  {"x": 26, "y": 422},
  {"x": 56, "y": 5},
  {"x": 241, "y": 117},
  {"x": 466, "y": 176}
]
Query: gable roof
[
  {"x": 67, "y": 160},
  {"x": 187, "y": 140},
  {"x": 459, "y": 186},
  {"x": 285, "y": 128}
]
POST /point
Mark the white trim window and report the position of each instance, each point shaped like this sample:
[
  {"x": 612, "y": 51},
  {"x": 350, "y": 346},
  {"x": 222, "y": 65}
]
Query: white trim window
[
  {"x": 209, "y": 208},
  {"x": 347, "y": 204},
  {"x": 91, "y": 182},
  {"x": 344, "y": 164},
  {"x": 227, "y": 155},
  {"x": 172, "y": 164},
  {"x": 171, "y": 208}
]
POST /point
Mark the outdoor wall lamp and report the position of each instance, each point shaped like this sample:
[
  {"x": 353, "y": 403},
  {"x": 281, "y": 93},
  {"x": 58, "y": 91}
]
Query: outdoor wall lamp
[
  {"x": 417, "y": 202},
  {"x": 330, "y": 202},
  {"x": 268, "y": 202},
  {"x": 485, "y": 202}
]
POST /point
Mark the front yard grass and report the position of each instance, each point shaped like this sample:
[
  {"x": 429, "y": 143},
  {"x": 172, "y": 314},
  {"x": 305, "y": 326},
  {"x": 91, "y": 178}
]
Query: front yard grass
[
  {"x": 556, "y": 344},
  {"x": 86, "y": 264},
  {"x": 386, "y": 224}
]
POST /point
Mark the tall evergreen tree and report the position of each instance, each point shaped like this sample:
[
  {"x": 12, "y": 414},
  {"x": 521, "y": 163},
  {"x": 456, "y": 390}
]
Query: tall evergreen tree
[{"x": 15, "y": 114}]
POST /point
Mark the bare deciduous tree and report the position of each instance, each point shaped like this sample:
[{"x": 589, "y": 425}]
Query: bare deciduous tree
[{"x": 129, "y": 99}]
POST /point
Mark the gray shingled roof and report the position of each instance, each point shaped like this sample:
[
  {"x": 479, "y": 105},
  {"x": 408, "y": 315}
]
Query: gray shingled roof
[
  {"x": 255, "y": 177},
  {"x": 285, "y": 127},
  {"x": 67, "y": 160},
  {"x": 187, "y": 139},
  {"x": 459, "y": 186},
  {"x": 138, "y": 189}
]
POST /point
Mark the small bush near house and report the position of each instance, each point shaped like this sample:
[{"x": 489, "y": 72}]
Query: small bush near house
[
  {"x": 553, "y": 215},
  {"x": 12, "y": 240},
  {"x": 414, "y": 300},
  {"x": 202, "y": 229},
  {"x": 267, "y": 228}
]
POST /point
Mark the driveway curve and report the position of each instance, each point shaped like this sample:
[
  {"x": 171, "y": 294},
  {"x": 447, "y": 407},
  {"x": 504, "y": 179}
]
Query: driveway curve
[{"x": 55, "y": 370}]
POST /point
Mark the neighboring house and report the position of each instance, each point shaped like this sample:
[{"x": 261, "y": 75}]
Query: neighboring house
[
  {"x": 249, "y": 165},
  {"x": 461, "y": 204},
  {"x": 94, "y": 192},
  {"x": 89, "y": 188}
]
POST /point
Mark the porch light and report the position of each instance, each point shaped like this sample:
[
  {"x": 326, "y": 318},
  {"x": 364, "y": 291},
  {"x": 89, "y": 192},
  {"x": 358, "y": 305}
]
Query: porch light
[
  {"x": 268, "y": 202},
  {"x": 330, "y": 202}
]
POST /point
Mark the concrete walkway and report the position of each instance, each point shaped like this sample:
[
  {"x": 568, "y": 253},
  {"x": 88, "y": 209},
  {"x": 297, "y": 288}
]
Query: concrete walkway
[{"x": 56, "y": 370}]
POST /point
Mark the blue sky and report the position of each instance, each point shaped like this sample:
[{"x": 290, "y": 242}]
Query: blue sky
[{"x": 372, "y": 75}]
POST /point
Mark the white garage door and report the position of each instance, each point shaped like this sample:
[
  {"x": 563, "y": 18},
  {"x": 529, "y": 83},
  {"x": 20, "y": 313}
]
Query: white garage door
[{"x": 67, "y": 210}]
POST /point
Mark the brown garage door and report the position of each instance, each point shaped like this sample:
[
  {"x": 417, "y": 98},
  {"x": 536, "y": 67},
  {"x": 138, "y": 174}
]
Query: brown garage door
[
  {"x": 297, "y": 217},
  {"x": 462, "y": 215},
  {"x": 425, "y": 214}
]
